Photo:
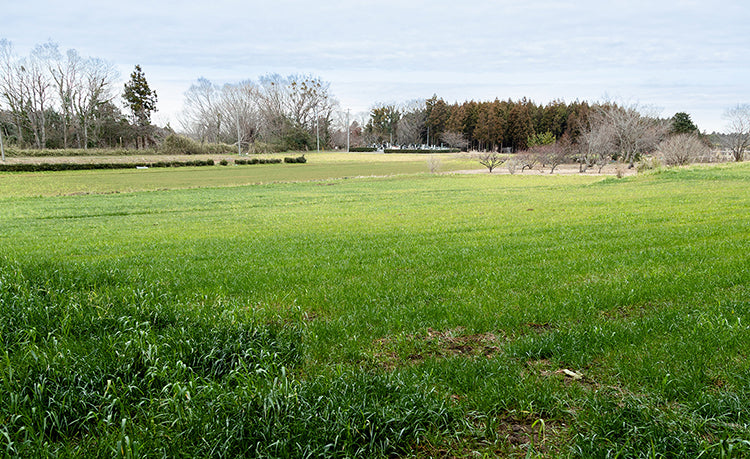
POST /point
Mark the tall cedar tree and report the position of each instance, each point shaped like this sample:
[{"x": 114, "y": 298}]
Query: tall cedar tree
[
  {"x": 139, "y": 98},
  {"x": 682, "y": 124}
]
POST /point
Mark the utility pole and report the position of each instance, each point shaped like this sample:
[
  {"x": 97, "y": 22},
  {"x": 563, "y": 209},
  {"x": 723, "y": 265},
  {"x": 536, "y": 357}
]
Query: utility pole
[
  {"x": 317, "y": 128},
  {"x": 2, "y": 149},
  {"x": 348, "y": 129}
]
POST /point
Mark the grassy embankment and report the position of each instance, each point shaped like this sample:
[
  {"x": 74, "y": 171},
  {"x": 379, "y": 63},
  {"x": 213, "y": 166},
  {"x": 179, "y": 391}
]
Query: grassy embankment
[{"x": 421, "y": 315}]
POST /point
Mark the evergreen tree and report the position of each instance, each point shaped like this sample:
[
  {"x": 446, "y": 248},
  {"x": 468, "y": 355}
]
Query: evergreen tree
[
  {"x": 682, "y": 124},
  {"x": 139, "y": 98}
]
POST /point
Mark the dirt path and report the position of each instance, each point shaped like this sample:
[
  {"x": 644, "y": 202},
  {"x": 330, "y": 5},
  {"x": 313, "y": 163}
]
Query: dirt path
[{"x": 565, "y": 169}]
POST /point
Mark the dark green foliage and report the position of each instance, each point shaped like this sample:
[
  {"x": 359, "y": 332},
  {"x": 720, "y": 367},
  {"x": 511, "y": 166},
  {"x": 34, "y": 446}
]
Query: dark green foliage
[
  {"x": 682, "y": 124},
  {"x": 426, "y": 152},
  {"x": 295, "y": 138},
  {"x": 93, "y": 166},
  {"x": 295, "y": 160},
  {"x": 139, "y": 97},
  {"x": 224, "y": 162},
  {"x": 362, "y": 149},
  {"x": 258, "y": 161},
  {"x": 97, "y": 366},
  {"x": 383, "y": 123},
  {"x": 631, "y": 426}
]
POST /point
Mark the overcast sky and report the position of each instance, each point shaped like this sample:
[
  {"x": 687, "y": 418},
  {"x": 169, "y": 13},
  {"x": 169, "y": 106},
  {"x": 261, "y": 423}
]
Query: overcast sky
[{"x": 668, "y": 55}]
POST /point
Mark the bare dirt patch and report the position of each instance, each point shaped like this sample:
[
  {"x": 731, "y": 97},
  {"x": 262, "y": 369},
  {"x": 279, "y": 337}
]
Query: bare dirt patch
[
  {"x": 414, "y": 348},
  {"x": 564, "y": 169}
]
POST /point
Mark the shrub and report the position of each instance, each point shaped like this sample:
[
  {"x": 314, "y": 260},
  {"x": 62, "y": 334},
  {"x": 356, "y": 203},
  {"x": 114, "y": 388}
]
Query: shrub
[
  {"x": 219, "y": 149},
  {"x": 420, "y": 151},
  {"x": 224, "y": 162},
  {"x": 361, "y": 149},
  {"x": 295, "y": 138},
  {"x": 648, "y": 163},
  {"x": 434, "y": 163},
  {"x": 298, "y": 160},
  {"x": 682, "y": 149},
  {"x": 257, "y": 161},
  {"x": 178, "y": 145},
  {"x": 47, "y": 167},
  {"x": 262, "y": 148}
]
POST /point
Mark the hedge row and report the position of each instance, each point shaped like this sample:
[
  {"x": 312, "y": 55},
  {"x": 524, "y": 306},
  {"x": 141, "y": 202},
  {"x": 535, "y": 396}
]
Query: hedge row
[
  {"x": 258, "y": 161},
  {"x": 404, "y": 150},
  {"x": 90, "y": 166},
  {"x": 362, "y": 149},
  {"x": 298, "y": 159}
]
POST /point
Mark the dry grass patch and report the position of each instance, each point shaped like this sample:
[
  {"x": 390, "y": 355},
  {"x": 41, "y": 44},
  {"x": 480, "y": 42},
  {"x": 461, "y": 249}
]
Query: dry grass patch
[{"x": 396, "y": 351}]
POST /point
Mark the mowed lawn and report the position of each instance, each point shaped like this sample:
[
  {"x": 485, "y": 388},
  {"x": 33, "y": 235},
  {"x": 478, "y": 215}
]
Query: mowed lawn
[{"x": 413, "y": 315}]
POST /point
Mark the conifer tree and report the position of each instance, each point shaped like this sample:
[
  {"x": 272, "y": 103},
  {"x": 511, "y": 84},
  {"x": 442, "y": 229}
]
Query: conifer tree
[{"x": 139, "y": 98}]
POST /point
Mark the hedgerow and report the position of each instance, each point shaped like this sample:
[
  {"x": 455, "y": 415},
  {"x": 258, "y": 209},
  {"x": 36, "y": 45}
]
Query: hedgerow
[{"x": 44, "y": 167}]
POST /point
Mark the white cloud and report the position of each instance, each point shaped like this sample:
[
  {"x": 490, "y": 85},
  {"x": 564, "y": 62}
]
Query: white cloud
[{"x": 682, "y": 55}]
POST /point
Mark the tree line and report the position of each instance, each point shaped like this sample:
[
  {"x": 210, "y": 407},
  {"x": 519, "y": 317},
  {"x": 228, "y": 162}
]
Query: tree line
[
  {"x": 281, "y": 113},
  {"x": 52, "y": 99},
  {"x": 590, "y": 134},
  {"x": 497, "y": 125},
  {"x": 55, "y": 99}
]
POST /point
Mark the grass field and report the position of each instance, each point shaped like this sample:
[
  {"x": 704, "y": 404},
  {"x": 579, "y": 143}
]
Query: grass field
[
  {"x": 413, "y": 315},
  {"x": 320, "y": 166}
]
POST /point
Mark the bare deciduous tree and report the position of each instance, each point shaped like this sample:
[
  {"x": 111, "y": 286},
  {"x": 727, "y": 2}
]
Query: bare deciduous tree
[
  {"x": 26, "y": 86},
  {"x": 200, "y": 113},
  {"x": 682, "y": 149},
  {"x": 10, "y": 86},
  {"x": 454, "y": 139},
  {"x": 491, "y": 160},
  {"x": 95, "y": 89},
  {"x": 411, "y": 125},
  {"x": 595, "y": 143},
  {"x": 66, "y": 75},
  {"x": 633, "y": 133},
  {"x": 294, "y": 106},
  {"x": 434, "y": 163},
  {"x": 527, "y": 159},
  {"x": 738, "y": 127},
  {"x": 553, "y": 154},
  {"x": 238, "y": 108}
]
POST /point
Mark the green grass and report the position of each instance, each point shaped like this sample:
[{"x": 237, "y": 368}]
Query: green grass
[
  {"x": 320, "y": 166},
  {"x": 414, "y": 315}
]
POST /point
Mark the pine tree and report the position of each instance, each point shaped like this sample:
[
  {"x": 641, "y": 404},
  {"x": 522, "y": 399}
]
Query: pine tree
[
  {"x": 139, "y": 98},
  {"x": 682, "y": 124}
]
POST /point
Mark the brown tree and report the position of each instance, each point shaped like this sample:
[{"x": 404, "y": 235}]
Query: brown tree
[
  {"x": 491, "y": 160},
  {"x": 738, "y": 127},
  {"x": 683, "y": 149},
  {"x": 519, "y": 126},
  {"x": 454, "y": 139},
  {"x": 633, "y": 133}
]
